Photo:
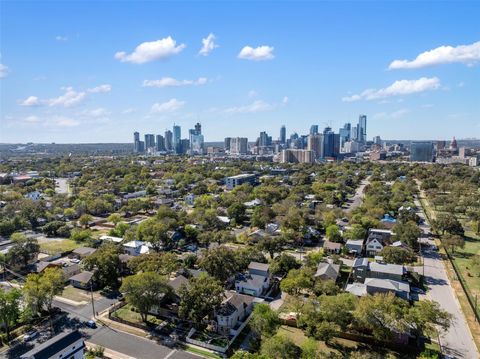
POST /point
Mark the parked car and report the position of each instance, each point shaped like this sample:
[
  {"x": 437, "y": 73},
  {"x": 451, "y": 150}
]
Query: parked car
[
  {"x": 91, "y": 324},
  {"x": 30, "y": 335}
]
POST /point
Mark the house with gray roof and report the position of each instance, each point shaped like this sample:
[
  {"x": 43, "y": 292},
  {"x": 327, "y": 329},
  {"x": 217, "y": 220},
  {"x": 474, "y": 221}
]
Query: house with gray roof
[
  {"x": 360, "y": 269},
  {"x": 257, "y": 268},
  {"x": 327, "y": 270},
  {"x": 355, "y": 246},
  {"x": 252, "y": 284},
  {"x": 386, "y": 271},
  {"x": 65, "y": 345},
  {"x": 232, "y": 312},
  {"x": 377, "y": 285}
]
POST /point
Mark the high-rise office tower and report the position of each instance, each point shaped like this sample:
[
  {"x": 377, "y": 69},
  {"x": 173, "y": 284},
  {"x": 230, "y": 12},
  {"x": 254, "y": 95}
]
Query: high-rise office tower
[
  {"x": 283, "y": 135},
  {"x": 177, "y": 135},
  {"x": 168, "y": 140},
  {"x": 331, "y": 143},
  {"x": 313, "y": 129},
  {"x": 354, "y": 134},
  {"x": 149, "y": 141},
  {"x": 264, "y": 140},
  {"x": 198, "y": 128},
  {"x": 136, "y": 142},
  {"x": 239, "y": 145},
  {"x": 344, "y": 134},
  {"x": 315, "y": 144},
  {"x": 160, "y": 143},
  {"x": 421, "y": 151},
  {"x": 196, "y": 139},
  {"x": 362, "y": 128},
  {"x": 227, "y": 143}
]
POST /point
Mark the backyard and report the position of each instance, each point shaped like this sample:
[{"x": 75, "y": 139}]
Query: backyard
[{"x": 54, "y": 246}]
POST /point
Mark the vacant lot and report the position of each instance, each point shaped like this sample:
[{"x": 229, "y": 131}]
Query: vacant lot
[{"x": 52, "y": 246}]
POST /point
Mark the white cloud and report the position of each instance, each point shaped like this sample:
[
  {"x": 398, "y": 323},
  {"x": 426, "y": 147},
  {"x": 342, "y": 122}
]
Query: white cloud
[
  {"x": 129, "y": 110},
  {"x": 101, "y": 89},
  {"x": 255, "y": 106},
  {"x": 61, "y": 121},
  {"x": 257, "y": 54},
  {"x": 61, "y": 38},
  {"x": 68, "y": 99},
  {"x": 96, "y": 113},
  {"x": 169, "y": 106},
  {"x": 208, "y": 45},
  {"x": 171, "y": 82},
  {"x": 464, "y": 54},
  {"x": 31, "y": 119},
  {"x": 252, "y": 94},
  {"x": 285, "y": 100},
  {"x": 4, "y": 70},
  {"x": 151, "y": 51},
  {"x": 31, "y": 101},
  {"x": 400, "y": 87},
  {"x": 391, "y": 115}
]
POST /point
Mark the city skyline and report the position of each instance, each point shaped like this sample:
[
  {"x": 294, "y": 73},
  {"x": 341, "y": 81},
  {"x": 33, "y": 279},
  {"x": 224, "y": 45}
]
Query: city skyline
[{"x": 318, "y": 63}]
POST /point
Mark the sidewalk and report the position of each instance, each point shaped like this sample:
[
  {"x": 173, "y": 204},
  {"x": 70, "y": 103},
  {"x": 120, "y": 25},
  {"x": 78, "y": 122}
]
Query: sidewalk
[{"x": 109, "y": 353}]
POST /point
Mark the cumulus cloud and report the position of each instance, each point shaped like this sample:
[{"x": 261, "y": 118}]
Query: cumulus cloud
[
  {"x": 68, "y": 99},
  {"x": 398, "y": 88},
  {"x": 169, "y": 106},
  {"x": 208, "y": 44},
  {"x": 171, "y": 82},
  {"x": 255, "y": 106},
  {"x": 4, "y": 70},
  {"x": 61, "y": 38},
  {"x": 61, "y": 121},
  {"x": 151, "y": 51},
  {"x": 285, "y": 100},
  {"x": 260, "y": 53},
  {"x": 101, "y": 89},
  {"x": 464, "y": 54},
  {"x": 31, "y": 101}
]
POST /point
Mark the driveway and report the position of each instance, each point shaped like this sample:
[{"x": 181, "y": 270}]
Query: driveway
[{"x": 457, "y": 341}]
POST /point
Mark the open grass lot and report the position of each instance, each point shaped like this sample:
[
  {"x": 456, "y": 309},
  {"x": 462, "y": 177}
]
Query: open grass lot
[
  {"x": 463, "y": 258},
  {"x": 79, "y": 295},
  {"x": 52, "y": 246},
  {"x": 337, "y": 346},
  {"x": 126, "y": 313}
]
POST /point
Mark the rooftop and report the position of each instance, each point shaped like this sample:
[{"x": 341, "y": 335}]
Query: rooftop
[
  {"x": 53, "y": 346},
  {"x": 387, "y": 268}
]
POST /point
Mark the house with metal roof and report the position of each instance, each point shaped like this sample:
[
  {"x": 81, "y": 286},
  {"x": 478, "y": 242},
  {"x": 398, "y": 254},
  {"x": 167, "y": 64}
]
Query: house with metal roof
[{"x": 66, "y": 345}]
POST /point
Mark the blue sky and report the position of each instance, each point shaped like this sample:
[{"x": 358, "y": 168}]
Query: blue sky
[{"x": 97, "y": 71}]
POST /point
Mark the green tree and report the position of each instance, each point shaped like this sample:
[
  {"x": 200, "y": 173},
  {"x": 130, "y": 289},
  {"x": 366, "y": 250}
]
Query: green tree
[
  {"x": 24, "y": 249},
  {"x": 265, "y": 321},
  {"x": 40, "y": 289},
  {"x": 280, "y": 347},
  {"x": 199, "y": 298},
  {"x": 283, "y": 263},
  {"x": 162, "y": 263},
  {"x": 426, "y": 316},
  {"x": 297, "y": 281},
  {"x": 219, "y": 262},
  {"x": 271, "y": 245},
  {"x": 333, "y": 233},
  {"x": 408, "y": 233},
  {"x": 397, "y": 255},
  {"x": 356, "y": 231},
  {"x": 106, "y": 265},
  {"x": 145, "y": 290},
  {"x": 9, "y": 308},
  {"x": 237, "y": 211},
  {"x": 453, "y": 241},
  {"x": 84, "y": 220}
]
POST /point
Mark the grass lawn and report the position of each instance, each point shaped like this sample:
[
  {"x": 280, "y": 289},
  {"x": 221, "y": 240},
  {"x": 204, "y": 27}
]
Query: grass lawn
[
  {"x": 126, "y": 313},
  {"x": 76, "y": 294},
  {"x": 57, "y": 246},
  {"x": 463, "y": 260},
  {"x": 203, "y": 353}
]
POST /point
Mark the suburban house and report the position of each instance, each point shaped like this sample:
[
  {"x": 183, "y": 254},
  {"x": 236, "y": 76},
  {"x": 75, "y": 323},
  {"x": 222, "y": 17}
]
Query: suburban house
[
  {"x": 332, "y": 247},
  {"x": 360, "y": 269},
  {"x": 251, "y": 284},
  {"x": 377, "y": 239},
  {"x": 135, "y": 248},
  {"x": 66, "y": 345},
  {"x": 327, "y": 270},
  {"x": 355, "y": 246},
  {"x": 386, "y": 271},
  {"x": 232, "y": 312},
  {"x": 83, "y": 252},
  {"x": 176, "y": 283},
  {"x": 83, "y": 280},
  {"x": 257, "y": 268},
  {"x": 377, "y": 285}
]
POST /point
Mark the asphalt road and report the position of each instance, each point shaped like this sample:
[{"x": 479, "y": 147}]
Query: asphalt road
[
  {"x": 357, "y": 199},
  {"x": 457, "y": 342},
  {"x": 124, "y": 343}
]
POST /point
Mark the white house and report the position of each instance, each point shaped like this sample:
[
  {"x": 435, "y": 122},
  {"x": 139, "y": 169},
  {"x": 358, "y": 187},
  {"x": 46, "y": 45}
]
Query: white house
[
  {"x": 66, "y": 345},
  {"x": 252, "y": 284},
  {"x": 135, "y": 248},
  {"x": 234, "y": 310}
]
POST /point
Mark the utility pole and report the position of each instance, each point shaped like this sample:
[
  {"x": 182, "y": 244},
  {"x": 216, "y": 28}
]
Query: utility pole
[{"x": 91, "y": 294}]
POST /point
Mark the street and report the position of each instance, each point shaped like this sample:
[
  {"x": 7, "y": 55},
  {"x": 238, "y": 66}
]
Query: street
[
  {"x": 357, "y": 199},
  {"x": 457, "y": 341},
  {"x": 104, "y": 336}
]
